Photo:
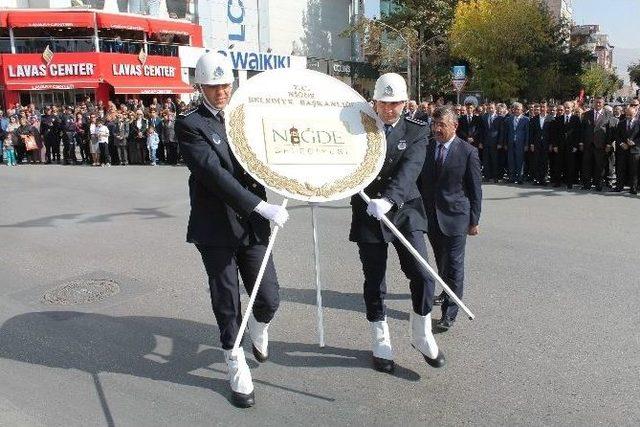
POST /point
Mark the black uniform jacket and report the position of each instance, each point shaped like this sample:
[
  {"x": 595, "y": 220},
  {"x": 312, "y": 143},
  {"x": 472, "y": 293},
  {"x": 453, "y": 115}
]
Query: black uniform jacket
[
  {"x": 406, "y": 145},
  {"x": 223, "y": 195}
]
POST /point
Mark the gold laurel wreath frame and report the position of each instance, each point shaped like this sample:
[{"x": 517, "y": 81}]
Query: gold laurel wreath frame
[{"x": 275, "y": 180}]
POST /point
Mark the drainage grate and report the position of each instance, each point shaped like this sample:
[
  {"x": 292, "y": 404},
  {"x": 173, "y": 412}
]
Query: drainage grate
[{"x": 85, "y": 291}]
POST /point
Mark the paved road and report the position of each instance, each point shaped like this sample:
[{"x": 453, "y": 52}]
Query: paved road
[{"x": 553, "y": 280}]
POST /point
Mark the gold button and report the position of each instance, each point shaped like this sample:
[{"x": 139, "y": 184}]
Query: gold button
[{"x": 254, "y": 185}]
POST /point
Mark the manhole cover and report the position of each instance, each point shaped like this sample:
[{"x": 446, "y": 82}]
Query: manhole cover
[{"x": 81, "y": 292}]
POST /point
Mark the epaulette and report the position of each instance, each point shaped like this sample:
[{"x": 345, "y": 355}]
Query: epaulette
[
  {"x": 416, "y": 121},
  {"x": 186, "y": 113}
]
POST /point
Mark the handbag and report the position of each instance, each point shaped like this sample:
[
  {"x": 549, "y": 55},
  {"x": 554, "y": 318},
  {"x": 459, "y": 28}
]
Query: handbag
[{"x": 30, "y": 143}]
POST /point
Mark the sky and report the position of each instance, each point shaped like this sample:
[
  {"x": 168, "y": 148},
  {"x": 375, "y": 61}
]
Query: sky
[{"x": 618, "y": 18}]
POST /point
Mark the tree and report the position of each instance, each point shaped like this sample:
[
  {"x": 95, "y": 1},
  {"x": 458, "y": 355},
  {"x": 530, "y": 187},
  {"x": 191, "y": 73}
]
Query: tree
[
  {"x": 634, "y": 72},
  {"x": 505, "y": 41},
  {"x": 425, "y": 25},
  {"x": 597, "y": 81}
]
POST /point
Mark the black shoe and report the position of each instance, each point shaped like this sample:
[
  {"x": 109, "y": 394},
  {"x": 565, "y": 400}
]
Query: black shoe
[
  {"x": 438, "y": 362},
  {"x": 445, "y": 323},
  {"x": 599, "y": 188},
  {"x": 243, "y": 400},
  {"x": 383, "y": 365},
  {"x": 556, "y": 185},
  {"x": 258, "y": 355},
  {"x": 569, "y": 186},
  {"x": 633, "y": 191},
  {"x": 439, "y": 299},
  {"x": 586, "y": 187},
  {"x": 617, "y": 190}
]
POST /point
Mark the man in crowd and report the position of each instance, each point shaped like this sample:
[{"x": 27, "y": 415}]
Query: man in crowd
[
  {"x": 565, "y": 146},
  {"x": 597, "y": 131},
  {"x": 516, "y": 129},
  {"x": 627, "y": 141},
  {"x": 541, "y": 128},
  {"x": 490, "y": 131},
  {"x": 412, "y": 109},
  {"x": 450, "y": 185},
  {"x": 395, "y": 193}
]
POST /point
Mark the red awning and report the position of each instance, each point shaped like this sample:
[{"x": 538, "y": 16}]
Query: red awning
[
  {"x": 3, "y": 19},
  {"x": 157, "y": 26},
  {"x": 122, "y": 22},
  {"x": 153, "y": 90},
  {"x": 25, "y": 19}
]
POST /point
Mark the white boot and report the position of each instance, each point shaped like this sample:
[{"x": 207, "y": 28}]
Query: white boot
[
  {"x": 239, "y": 378},
  {"x": 381, "y": 346},
  {"x": 259, "y": 333},
  {"x": 422, "y": 339}
]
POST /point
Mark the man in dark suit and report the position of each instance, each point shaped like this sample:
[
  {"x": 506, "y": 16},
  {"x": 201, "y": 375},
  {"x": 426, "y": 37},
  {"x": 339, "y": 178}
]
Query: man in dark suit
[
  {"x": 627, "y": 140},
  {"x": 490, "y": 131},
  {"x": 566, "y": 136},
  {"x": 395, "y": 193},
  {"x": 517, "y": 138},
  {"x": 229, "y": 222},
  {"x": 540, "y": 130},
  {"x": 597, "y": 131},
  {"x": 470, "y": 126},
  {"x": 450, "y": 184}
]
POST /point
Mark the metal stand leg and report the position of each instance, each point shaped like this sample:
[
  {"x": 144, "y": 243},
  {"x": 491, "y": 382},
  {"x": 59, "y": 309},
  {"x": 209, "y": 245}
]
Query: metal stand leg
[{"x": 316, "y": 254}]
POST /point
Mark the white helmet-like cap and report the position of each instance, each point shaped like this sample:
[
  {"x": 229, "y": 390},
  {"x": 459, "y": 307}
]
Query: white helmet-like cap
[
  {"x": 213, "y": 68},
  {"x": 390, "y": 87}
]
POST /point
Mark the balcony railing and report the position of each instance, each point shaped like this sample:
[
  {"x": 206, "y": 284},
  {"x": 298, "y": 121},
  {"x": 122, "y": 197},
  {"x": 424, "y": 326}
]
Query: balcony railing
[{"x": 86, "y": 44}]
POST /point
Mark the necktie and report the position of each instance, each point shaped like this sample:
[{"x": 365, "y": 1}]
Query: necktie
[
  {"x": 440, "y": 159},
  {"x": 387, "y": 129},
  {"x": 515, "y": 123},
  {"x": 566, "y": 119},
  {"x": 221, "y": 116}
]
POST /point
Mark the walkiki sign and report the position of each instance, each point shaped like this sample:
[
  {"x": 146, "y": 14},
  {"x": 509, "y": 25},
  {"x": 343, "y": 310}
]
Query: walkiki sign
[{"x": 254, "y": 61}]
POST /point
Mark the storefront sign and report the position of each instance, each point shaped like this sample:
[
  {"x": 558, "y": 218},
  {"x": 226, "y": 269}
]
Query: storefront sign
[
  {"x": 143, "y": 70},
  {"x": 256, "y": 61},
  {"x": 53, "y": 70}
]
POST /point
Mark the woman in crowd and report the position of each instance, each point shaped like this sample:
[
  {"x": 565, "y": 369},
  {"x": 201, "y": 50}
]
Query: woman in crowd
[
  {"x": 24, "y": 133},
  {"x": 121, "y": 136}
]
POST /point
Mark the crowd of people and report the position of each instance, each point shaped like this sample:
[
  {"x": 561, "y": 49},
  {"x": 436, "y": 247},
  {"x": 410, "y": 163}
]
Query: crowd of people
[
  {"x": 547, "y": 144},
  {"x": 99, "y": 135}
]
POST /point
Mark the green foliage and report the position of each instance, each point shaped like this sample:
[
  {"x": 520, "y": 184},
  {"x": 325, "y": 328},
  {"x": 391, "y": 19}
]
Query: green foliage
[
  {"x": 634, "y": 72},
  {"x": 517, "y": 49},
  {"x": 597, "y": 81}
]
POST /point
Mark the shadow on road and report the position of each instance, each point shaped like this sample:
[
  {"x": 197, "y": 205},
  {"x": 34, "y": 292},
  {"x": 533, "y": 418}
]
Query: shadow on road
[
  {"x": 51, "y": 221},
  {"x": 157, "y": 348},
  {"x": 348, "y": 301}
]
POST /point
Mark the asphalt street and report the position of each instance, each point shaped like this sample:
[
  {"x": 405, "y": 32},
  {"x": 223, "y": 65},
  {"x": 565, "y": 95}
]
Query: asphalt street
[{"x": 553, "y": 280}]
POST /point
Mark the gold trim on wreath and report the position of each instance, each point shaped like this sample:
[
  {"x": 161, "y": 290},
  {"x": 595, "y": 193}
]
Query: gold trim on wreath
[{"x": 275, "y": 180}]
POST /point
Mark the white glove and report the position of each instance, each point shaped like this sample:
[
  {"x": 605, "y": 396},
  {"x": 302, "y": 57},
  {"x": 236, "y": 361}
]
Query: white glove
[
  {"x": 379, "y": 207},
  {"x": 274, "y": 213}
]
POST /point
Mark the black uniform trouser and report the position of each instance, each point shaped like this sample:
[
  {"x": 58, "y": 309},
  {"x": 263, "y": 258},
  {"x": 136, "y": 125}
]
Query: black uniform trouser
[
  {"x": 449, "y": 254},
  {"x": 592, "y": 166},
  {"x": 621, "y": 168},
  {"x": 172, "y": 153},
  {"x": 69, "y": 147},
  {"x": 374, "y": 265},
  {"x": 53, "y": 147},
  {"x": 222, "y": 265}
]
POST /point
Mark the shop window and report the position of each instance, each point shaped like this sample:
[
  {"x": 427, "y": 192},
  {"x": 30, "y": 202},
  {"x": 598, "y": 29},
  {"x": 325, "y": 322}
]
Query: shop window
[{"x": 35, "y": 40}]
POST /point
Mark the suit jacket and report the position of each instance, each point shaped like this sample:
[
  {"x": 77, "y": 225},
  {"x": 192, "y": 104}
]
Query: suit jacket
[
  {"x": 491, "y": 129},
  {"x": 453, "y": 197},
  {"x": 516, "y": 136},
  {"x": 397, "y": 181},
  {"x": 469, "y": 129},
  {"x": 597, "y": 133},
  {"x": 540, "y": 136},
  {"x": 622, "y": 134},
  {"x": 566, "y": 136},
  {"x": 223, "y": 196}
]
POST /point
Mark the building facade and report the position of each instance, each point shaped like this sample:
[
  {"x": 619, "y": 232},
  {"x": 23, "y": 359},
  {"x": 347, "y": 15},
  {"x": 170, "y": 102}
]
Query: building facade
[{"x": 591, "y": 39}]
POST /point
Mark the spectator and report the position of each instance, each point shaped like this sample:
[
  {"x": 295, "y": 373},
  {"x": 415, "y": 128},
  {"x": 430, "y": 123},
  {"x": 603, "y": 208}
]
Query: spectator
[
  {"x": 152, "y": 144},
  {"x": 121, "y": 136}
]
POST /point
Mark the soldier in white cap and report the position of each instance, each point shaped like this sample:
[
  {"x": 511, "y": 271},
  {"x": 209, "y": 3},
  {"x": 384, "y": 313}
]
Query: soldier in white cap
[
  {"x": 229, "y": 222},
  {"x": 394, "y": 193}
]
